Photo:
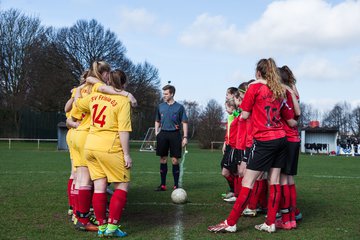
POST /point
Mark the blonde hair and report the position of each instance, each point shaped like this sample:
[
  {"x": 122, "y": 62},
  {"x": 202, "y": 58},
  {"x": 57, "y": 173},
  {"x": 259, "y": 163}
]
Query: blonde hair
[
  {"x": 98, "y": 68},
  {"x": 230, "y": 103},
  {"x": 83, "y": 76},
  {"x": 268, "y": 71}
]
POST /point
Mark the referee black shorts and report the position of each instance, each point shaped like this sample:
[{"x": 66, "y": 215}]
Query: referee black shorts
[{"x": 168, "y": 140}]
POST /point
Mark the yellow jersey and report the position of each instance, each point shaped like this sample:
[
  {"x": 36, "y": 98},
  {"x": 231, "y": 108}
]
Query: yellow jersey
[{"x": 109, "y": 115}]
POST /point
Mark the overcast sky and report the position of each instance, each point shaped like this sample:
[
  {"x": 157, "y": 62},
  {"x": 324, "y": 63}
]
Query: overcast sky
[{"x": 205, "y": 46}]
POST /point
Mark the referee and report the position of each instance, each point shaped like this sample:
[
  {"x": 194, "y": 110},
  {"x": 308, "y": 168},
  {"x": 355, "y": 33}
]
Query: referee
[{"x": 170, "y": 115}]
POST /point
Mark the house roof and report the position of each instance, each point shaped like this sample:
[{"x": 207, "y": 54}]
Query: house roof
[{"x": 320, "y": 130}]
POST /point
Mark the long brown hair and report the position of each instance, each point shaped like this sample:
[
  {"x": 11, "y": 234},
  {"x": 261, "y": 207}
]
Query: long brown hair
[
  {"x": 268, "y": 71},
  {"x": 287, "y": 76},
  {"x": 118, "y": 79}
]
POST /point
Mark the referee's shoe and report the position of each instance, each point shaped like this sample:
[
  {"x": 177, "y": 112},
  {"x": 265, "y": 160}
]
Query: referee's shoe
[{"x": 160, "y": 188}]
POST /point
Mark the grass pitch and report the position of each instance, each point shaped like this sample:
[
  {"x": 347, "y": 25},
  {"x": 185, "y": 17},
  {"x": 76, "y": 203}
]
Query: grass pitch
[{"x": 33, "y": 199}]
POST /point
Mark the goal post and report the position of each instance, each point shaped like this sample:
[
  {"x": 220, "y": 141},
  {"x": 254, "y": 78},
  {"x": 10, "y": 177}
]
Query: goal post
[{"x": 149, "y": 142}]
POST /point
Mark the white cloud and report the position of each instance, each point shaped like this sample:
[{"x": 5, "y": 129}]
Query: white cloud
[
  {"x": 287, "y": 26},
  {"x": 141, "y": 20},
  {"x": 313, "y": 68}
]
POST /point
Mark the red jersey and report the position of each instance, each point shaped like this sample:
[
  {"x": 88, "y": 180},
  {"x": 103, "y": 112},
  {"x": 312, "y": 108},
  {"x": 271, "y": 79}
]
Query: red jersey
[
  {"x": 231, "y": 133},
  {"x": 288, "y": 112},
  {"x": 241, "y": 134},
  {"x": 249, "y": 133},
  {"x": 265, "y": 111}
]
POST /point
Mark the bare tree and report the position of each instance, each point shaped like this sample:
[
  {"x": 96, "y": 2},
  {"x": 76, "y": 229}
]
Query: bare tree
[
  {"x": 210, "y": 124},
  {"x": 193, "y": 112},
  {"x": 86, "y": 42},
  {"x": 339, "y": 117},
  {"x": 144, "y": 83},
  {"x": 306, "y": 115},
  {"x": 355, "y": 119},
  {"x": 48, "y": 78},
  {"x": 17, "y": 34}
]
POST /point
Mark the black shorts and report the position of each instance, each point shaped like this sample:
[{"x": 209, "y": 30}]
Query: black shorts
[
  {"x": 267, "y": 154},
  {"x": 230, "y": 159},
  {"x": 168, "y": 140},
  {"x": 246, "y": 154},
  {"x": 239, "y": 155},
  {"x": 292, "y": 158}
]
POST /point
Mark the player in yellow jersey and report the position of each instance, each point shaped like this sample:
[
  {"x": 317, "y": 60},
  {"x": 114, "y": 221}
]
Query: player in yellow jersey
[
  {"x": 84, "y": 186},
  {"x": 69, "y": 140},
  {"x": 67, "y": 109},
  {"x": 107, "y": 152}
]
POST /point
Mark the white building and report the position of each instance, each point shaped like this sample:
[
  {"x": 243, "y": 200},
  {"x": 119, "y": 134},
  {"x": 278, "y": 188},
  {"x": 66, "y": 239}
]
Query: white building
[{"x": 319, "y": 140}]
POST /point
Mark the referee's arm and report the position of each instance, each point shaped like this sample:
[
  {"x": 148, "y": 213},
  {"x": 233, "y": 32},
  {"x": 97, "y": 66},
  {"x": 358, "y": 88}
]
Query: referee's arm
[
  {"x": 157, "y": 127},
  {"x": 185, "y": 133}
]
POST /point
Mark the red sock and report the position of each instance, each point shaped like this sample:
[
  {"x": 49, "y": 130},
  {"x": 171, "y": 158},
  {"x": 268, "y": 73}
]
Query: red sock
[
  {"x": 239, "y": 186},
  {"x": 117, "y": 204},
  {"x": 236, "y": 184},
  {"x": 99, "y": 204},
  {"x": 292, "y": 189},
  {"x": 254, "y": 196},
  {"x": 230, "y": 180},
  {"x": 84, "y": 200},
  {"x": 273, "y": 203},
  {"x": 69, "y": 186},
  {"x": 75, "y": 200},
  {"x": 285, "y": 203},
  {"x": 263, "y": 188},
  {"x": 239, "y": 206}
]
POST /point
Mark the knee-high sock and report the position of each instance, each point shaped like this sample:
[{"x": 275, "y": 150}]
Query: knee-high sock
[
  {"x": 117, "y": 204},
  {"x": 176, "y": 174},
  {"x": 263, "y": 188},
  {"x": 163, "y": 172},
  {"x": 285, "y": 203},
  {"x": 230, "y": 180},
  {"x": 254, "y": 196},
  {"x": 237, "y": 185},
  {"x": 69, "y": 186},
  {"x": 273, "y": 203},
  {"x": 75, "y": 199},
  {"x": 99, "y": 205},
  {"x": 84, "y": 200},
  {"x": 292, "y": 201},
  {"x": 239, "y": 206}
]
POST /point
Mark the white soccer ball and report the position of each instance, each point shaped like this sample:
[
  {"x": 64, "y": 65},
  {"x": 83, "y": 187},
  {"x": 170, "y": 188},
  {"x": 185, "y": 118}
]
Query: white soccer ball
[{"x": 179, "y": 196}]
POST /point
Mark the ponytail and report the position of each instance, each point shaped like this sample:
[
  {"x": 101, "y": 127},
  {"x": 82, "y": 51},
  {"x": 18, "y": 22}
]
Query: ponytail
[{"x": 269, "y": 72}]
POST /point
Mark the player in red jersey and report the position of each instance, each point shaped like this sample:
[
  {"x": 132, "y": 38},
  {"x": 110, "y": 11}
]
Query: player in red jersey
[
  {"x": 264, "y": 102},
  {"x": 240, "y": 141},
  {"x": 288, "y": 201},
  {"x": 230, "y": 155}
]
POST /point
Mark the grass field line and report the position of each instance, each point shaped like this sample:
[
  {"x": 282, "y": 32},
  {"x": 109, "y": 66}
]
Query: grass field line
[
  {"x": 150, "y": 172},
  {"x": 172, "y": 204}
]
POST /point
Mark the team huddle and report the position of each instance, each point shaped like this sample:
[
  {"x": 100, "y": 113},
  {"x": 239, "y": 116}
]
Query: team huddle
[
  {"x": 98, "y": 138},
  {"x": 260, "y": 151}
]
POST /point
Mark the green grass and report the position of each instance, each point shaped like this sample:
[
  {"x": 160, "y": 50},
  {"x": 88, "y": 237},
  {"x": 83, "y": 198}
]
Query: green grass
[{"x": 33, "y": 198}]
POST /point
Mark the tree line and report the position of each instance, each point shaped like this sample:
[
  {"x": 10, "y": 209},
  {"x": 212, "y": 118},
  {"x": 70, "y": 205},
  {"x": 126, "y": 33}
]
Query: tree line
[{"x": 40, "y": 65}]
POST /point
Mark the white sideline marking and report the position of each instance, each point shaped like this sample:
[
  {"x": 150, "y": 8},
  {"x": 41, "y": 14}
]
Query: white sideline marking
[{"x": 179, "y": 229}]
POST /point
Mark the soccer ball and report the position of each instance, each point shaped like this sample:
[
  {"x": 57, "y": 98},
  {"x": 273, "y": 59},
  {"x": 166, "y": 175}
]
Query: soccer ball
[{"x": 179, "y": 196}]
